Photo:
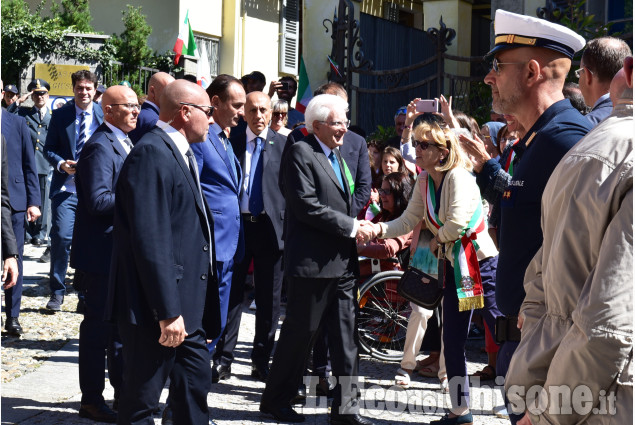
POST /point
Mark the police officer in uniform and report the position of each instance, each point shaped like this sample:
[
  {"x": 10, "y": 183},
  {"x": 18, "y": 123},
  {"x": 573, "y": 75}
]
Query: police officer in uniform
[
  {"x": 530, "y": 61},
  {"x": 37, "y": 119}
]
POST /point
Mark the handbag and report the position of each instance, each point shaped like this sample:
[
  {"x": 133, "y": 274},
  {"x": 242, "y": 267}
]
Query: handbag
[{"x": 421, "y": 288}]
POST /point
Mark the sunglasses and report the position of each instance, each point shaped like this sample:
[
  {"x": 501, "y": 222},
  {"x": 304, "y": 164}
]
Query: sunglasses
[
  {"x": 384, "y": 192},
  {"x": 280, "y": 114},
  {"x": 208, "y": 112},
  {"x": 423, "y": 145}
]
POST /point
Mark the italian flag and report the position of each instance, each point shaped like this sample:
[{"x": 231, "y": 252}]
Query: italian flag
[
  {"x": 304, "y": 89},
  {"x": 185, "y": 33}
]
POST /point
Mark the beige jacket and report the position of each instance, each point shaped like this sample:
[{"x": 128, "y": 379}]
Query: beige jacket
[
  {"x": 578, "y": 328},
  {"x": 460, "y": 197}
]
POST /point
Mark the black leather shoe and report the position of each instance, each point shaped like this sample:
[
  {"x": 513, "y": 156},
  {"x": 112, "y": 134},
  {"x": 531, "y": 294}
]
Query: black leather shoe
[
  {"x": 322, "y": 389},
  {"x": 12, "y": 326},
  {"x": 355, "y": 419},
  {"x": 221, "y": 373},
  {"x": 260, "y": 372},
  {"x": 98, "y": 413},
  {"x": 37, "y": 242},
  {"x": 166, "y": 417},
  {"x": 46, "y": 257},
  {"x": 55, "y": 303},
  {"x": 282, "y": 414},
  {"x": 300, "y": 397}
]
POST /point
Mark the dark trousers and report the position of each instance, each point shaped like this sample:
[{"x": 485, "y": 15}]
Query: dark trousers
[
  {"x": 456, "y": 325},
  {"x": 63, "y": 208},
  {"x": 147, "y": 365},
  {"x": 98, "y": 341},
  {"x": 261, "y": 245},
  {"x": 39, "y": 228},
  {"x": 311, "y": 302},
  {"x": 503, "y": 360},
  {"x": 13, "y": 295}
]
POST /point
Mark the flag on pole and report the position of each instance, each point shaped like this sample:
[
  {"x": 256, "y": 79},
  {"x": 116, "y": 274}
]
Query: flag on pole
[
  {"x": 203, "y": 73},
  {"x": 305, "y": 94},
  {"x": 185, "y": 32},
  {"x": 334, "y": 66}
]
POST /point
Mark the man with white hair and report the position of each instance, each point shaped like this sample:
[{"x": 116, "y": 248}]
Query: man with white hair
[{"x": 320, "y": 261}]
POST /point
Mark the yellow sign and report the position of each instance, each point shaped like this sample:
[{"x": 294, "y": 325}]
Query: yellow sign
[{"x": 58, "y": 76}]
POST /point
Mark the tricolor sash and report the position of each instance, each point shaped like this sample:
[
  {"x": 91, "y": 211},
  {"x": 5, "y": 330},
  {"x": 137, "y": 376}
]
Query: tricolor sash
[
  {"x": 467, "y": 273},
  {"x": 509, "y": 164}
]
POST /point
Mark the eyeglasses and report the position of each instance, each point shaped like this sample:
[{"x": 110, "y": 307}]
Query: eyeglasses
[
  {"x": 337, "y": 123},
  {"x": 384, "y": 192},
  {"x": 280, "y": 114},
  {"x": 496, "y": 65},
  {"x": 579, "y": 72},
  {"x": 208, "y": 112},
  {"x": 423, "y": 145},
  {"x": 131, "y": 106}
]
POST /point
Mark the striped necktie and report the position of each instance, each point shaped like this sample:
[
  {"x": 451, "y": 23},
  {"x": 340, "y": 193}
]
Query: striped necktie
[{"x": 81, "y": 138}]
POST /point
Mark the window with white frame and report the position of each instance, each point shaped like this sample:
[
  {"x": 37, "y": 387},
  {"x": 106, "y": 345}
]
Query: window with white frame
[{"x": 211, "y": 47}]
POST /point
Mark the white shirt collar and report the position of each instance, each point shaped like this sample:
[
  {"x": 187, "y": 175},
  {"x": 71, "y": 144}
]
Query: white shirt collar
[
  {"x": 251, "y": 136},
  {"x": 88, "y": 110},
  {"x": 179, "y": 139},
  {"x": 120, "y": 135},
  {"x": 326, "y": 149}
]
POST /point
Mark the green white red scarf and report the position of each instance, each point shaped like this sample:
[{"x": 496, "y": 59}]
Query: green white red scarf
[
  {"x": 509, "y": 164},
  {"x": 467, "y": 273}
]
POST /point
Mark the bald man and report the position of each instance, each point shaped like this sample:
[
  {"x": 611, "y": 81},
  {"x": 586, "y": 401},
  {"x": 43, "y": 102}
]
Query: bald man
[
  {"x": 262, "y": 209},
  {"x": 162, "y": 292},
  {"x": 149, "y": 114},
  {"x": 530, "y": 61},
  {"x": 97, "y": 171}
]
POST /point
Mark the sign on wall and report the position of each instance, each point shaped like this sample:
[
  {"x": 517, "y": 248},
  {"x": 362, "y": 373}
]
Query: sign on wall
[{"x": 58, "y": 76}]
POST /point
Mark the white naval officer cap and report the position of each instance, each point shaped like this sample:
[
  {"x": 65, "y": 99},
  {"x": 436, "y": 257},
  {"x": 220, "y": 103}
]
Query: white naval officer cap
[{"x": 514, "y": 30}]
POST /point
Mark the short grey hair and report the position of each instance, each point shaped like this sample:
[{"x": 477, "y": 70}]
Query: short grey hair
[{"x": 321, "y": 106}]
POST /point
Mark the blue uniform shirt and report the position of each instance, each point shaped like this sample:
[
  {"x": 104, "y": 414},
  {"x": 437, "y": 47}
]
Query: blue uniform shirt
[{"x": 556, "y": 131}]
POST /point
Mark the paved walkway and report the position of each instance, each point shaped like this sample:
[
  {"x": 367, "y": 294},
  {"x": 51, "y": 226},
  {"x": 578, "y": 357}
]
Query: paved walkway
[{"x": 50, "y": 394}]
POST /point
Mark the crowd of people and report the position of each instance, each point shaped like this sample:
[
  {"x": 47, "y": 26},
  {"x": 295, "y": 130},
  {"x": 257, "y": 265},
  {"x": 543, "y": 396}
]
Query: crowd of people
[{"x": 164, "y": 206}]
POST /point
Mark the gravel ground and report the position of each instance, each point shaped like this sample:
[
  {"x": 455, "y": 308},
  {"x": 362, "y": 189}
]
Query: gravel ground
[{"x": 235, "y": 401}]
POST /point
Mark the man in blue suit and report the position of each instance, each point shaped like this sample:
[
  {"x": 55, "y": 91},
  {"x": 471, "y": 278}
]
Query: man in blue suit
[
  {"x": 97, "y": 171},
  {"x": 37, "y": 119},
  {"x": 24, "y": 197},
  {"x": 221, "y": 178},
  {"x": 259, "y": 150},
  {"x": 149, "y": 114},
  {"x": 71, "y": 126},
  {"x": 163, "y": 292}
]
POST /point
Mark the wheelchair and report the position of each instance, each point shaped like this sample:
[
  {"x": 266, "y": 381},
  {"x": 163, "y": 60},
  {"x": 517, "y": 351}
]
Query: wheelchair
[{"x": 383, "y": 314}]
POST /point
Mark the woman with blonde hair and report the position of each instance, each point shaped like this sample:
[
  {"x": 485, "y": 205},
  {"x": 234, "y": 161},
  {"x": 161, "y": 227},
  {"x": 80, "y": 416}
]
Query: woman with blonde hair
[
  {"x": 279, "y": 111},
  {"x": 448, "y": 201}
]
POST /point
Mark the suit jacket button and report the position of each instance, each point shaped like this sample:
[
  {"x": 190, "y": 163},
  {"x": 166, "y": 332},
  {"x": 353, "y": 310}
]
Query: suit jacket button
[
  {"x": 206, "y": 248},
  {"x": 203, "y": 276}
]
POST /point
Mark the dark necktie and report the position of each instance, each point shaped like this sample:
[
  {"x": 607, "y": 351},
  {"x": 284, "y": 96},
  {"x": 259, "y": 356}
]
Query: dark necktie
[
  {"x": 255, "y": 180},
  {"x": 230, "y": 153},
  {"x": 336, "y": 168},
  {"x": 81, "y": 137}
]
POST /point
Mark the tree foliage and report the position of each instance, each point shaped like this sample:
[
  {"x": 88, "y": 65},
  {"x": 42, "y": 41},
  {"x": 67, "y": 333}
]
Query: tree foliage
[
  {"x": 73, "y": 13},
  {"x": 132, "y": 43}
]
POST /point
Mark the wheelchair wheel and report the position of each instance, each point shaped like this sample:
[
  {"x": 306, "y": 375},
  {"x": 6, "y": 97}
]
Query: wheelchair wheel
[{"x": 383, "y": 317}]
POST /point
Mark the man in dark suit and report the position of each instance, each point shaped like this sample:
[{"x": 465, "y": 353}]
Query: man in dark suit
[
  {"x": 24, "y": 197},
  {"x": 149, "y": 114},
  {"x": 354, "y": 152},
  {"x": 221, "y": 177},
  {"x": 162, "y": 291},
  {"x": 97, "y": 171},
  {"x": 262, "y": 210},
  {"x": 37, "y": 119},
  {"x": 9, "y": 246},
  {"x": 320, "y": 264},
  {"x": 600, "y": 61},
  {"x": 71, "y": 126}
]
